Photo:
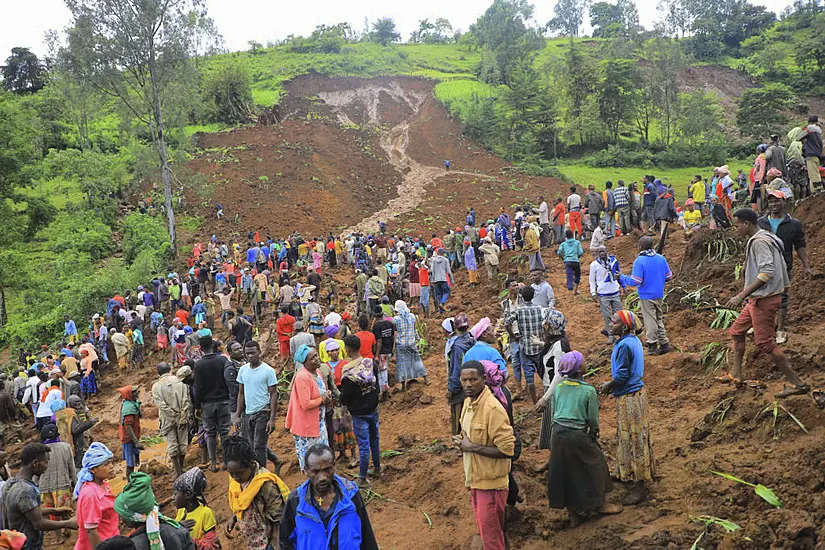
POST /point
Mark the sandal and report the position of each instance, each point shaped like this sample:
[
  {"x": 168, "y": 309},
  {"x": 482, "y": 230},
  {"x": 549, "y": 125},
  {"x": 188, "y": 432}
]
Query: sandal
[
  {"x": 818, "y": 397},
  {"x": 728, "y": 378},
  {"x": 793, "y": 390}
]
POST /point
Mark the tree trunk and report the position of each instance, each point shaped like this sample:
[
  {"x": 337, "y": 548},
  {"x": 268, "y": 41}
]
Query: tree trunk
[
  {"x": 160, "y": 144},
  {"x": 3, "y": 317}
]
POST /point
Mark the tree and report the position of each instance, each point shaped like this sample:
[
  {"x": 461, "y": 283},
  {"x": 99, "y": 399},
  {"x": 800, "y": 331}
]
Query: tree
[
  {"x": 609, "y": 20},
  {"x": 811, "y": 48},
  {"x": 677, "y": 17},
  {"x": 617, "y": 93},
  {"x": 12, "y": 264},
  {"x": 666, "y": 59},
  {"x": 763, "y": 111},
  {"x": 705, "y": 116},
  {"x": 424, "y": 28},
  {"x": 138, "y": 51},
  {"x": 23, "y": 73},
  {"x": 384, "y": 31},
  {"x": 569, "y": 15},
  {"x": 227, "y": 91},
  {"x": 17, "y": 137}
]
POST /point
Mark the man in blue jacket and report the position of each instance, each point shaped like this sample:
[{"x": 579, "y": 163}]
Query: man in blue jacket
[
  {"x": 326, "y": 512},
  {"x": 650, "y": 272}
]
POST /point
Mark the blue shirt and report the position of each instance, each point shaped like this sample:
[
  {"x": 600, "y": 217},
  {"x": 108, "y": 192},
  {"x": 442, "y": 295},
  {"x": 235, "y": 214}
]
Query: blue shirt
[
  {"x": 570, "y": 250},
  {"x": 71, "y": 329},
  {"x": 256, "y": 383},
  {"x": 482, "y": 351},
  {"x": 461, "y": 344},
  {"x": 627, "y": 365},
  {"x": 650, "y": 194},
  {"x": 774, "y": 224},
  {"x": 649, "y": 275}
]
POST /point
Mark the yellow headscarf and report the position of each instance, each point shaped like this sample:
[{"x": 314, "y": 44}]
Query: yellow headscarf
[{"x": 241, "y": 499}]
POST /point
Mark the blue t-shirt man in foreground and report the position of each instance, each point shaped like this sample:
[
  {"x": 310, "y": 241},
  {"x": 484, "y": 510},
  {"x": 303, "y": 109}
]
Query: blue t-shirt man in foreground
[{"x": 650, "y": 272}]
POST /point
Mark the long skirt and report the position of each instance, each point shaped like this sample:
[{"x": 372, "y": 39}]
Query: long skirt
[
  {"x": 163, "y": 341},
  {"x": 179, "y": 356},
  {"x": 546, "y": 427},
  {"x": 578, "y": 477},
  {"x": 415, "y": 290},
  {"x": 342, "y": 426},
  {"x": 408, "y": 364},
  {"x": 634, "y": 457},
  {"x": 302, "y": 444},
  {"x": 88, "y": 384}
]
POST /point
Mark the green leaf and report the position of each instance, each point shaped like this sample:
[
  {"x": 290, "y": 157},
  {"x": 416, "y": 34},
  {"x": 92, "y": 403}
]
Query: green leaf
[
  {"x": 696, "y": 542},
  {"x": 733, "y": 478},
  {"x": 768, "y": 496}
]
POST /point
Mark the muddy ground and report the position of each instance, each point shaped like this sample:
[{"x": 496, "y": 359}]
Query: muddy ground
[{"x": 698, "y": 425}]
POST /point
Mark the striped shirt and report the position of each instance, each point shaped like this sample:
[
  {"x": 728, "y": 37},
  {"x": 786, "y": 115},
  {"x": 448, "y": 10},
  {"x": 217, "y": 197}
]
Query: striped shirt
[{"x": 621, "y": 197}]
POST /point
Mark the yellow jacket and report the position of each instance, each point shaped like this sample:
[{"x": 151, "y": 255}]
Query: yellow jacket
[
  {"x": 489, "y": 427},
  {"x": 531, "y": 241}
]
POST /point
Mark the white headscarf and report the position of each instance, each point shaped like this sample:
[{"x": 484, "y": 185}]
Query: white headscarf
[{"x": 401, "y": 307}]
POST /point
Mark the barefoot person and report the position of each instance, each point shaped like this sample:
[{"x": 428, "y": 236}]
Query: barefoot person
[
  {"x": 634, "y": 457},
  {"x": 766, "y": 277},
  {"x": 578, "y": 477}
]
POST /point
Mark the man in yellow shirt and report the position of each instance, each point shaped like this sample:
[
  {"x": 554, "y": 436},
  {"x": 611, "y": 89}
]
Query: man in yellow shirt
[
  {"x": 697, "y": 192},
  {"x": 691, "y": 218}
]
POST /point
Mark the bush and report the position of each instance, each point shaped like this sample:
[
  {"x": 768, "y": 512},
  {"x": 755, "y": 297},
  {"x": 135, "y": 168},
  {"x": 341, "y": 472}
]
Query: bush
[
  {"x": 227, "y": 92},
  {"x": 79, "y": 232},
  {"x": 711, "y": 151},
  {"x": 617, "y": 157},
  {"x": 144, "y": 233}
]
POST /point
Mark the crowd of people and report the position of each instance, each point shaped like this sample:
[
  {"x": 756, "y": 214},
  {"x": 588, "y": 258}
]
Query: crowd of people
[{"x": 335, "y": 362}]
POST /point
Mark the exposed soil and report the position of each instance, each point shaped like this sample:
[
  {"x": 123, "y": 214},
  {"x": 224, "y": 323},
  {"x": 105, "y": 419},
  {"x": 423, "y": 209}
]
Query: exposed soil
[{"x": 690, "y": 434}]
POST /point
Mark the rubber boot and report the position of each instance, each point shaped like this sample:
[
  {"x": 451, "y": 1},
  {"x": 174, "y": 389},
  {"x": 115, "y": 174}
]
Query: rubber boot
[
  {"x": 653, "y": 349},
  {"x": 531, "y": 391}
]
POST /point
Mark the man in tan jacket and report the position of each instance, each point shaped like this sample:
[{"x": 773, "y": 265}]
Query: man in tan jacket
[{"x": 488, "y": 442}]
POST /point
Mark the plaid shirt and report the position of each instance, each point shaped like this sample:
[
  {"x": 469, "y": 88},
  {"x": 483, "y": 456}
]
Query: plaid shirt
[
  {"x": 621, "y": 196},
  {"x": 405, "y": 330},
  {"x": 529, "y": 319}
]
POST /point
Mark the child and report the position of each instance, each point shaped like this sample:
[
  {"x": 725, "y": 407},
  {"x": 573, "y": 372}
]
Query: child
[
  {"x": 130, "y": 428},
  {"x": 193, "y": 513}
]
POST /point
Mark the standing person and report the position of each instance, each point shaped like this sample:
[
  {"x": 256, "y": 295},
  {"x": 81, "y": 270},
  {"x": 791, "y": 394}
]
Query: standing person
[
  {"x": 343, "y": 436},
  {"x": 69, "y": 330},
  {"x": 609, "y": 210},
  {"x": 529, "y": 318},
  {"x": 424, "y": 281},
  {"x": 697, "y": 193},
  {"x": 542, "y": 291},
  {"x": 366, "y": 336},
  {"x": 57, "y": 482},
  {"x": 325, "y": 495},
  {"x": 88, "y": 384},
  {"x": 383, "y": 330},
  {"x": 80, "y": 424},
  {"x": 171, "y": 396},
  {"x": 797, "y": 171},
  {"x": 306, "y": 414},
  {"x": 812, "y": 149},
  {"x": 634, "y": 457},
  {"x": 376, "y": 288},
  {"x": 508, "y": 306},
  {"x": 137, "y": 508},
  {"x": 664, "y": 212},
  {"x": 544, "y": 222},
  {"x": 488, "y": 443},
  {"x": 359, "y": 392},
  {"x": 299, "y": 340},
  {"x": 441, "y": 277},
  {"x": 360, "y": 291},
  {"x": 775, "y": 156},
  {"x": 555, "y": 346},
  {"x": 649, "y": 275},
  {"x": 574, "y": 207},
  {"x": 571, "y": 251},
  {"x": 593, "y": 205},
  {"x": 461, "y": 344},
  {"x": 122, "y": 346},
  {"x": 470, "y": 263},
  {"x": 130, "y": 413},
  {"x": 578, "y": 477},
  {"x": 193, "y": 513},
  {"x": 212, "y": 397},
  {"x": 792, "y": 235},
  {"x": 559, "y": 214},
  {"x": 532, "y": 247},
  {"x": 230, "y": 375},
  {"x": 766, "y": 277},
  {"x": 257, "y": 402},
  {"x": 649, "y": 199},
  {"x": 408, "y": 363},
  {"x": 256, "y": 496},
  {"x": 484, "y": 334},
  {"x": 604, "y": 287},
  {"x": 491, "y": 251},
  {"x": 96, "y": 517},
  {"x": 621, "y": 200},
  {"x": 22, "y": 506}
]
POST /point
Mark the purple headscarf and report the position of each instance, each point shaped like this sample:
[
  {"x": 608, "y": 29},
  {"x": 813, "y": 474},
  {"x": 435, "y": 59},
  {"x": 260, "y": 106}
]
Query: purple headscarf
[
  {"x": 571, "y": 363},
  {"x": 331, "y": 331},
  {"x": 494, "y": 379}
]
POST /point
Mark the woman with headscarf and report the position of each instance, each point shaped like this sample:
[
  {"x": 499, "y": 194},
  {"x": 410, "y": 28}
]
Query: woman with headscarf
[
  {"x": 578, "y": 477},
  {"x": 484, "y": 334},
  {"x": 634, "y": 457},
  {"x": 305, "y": 417},
  {"x": 137, "y": 507},
  {"x": 495, "y": 379},
  {"x": 177, "y": 334},
  {"x": 198, "y": 311},
  {"x": 60, "y": 476},
  {"x": 96, "y": 517},
  {"x": 408, "y": 363},
  {"x": 193, "y": 513},
  {"x": 192, "y": 344},
  {"x": 556, "y": 345},
  {"x": 343, "y": 435},
  {"x": 470, "y": 263},
  {"x": 137, "y": 346},
  {"x": 162, "y": 332},
  {"x": 359, "y": 392},
  {"x": 797, "y": 170},
  {"x": 331, "y": 335}
]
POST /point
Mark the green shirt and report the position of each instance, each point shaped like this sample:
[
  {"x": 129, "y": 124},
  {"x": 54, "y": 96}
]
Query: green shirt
[
  {"x": 575, "y": 405},
  {"x": 174, "y": 292}
]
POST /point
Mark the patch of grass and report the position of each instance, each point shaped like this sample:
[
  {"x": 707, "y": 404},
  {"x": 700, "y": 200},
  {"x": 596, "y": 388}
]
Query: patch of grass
[
  {"x": 58, "y": 191},
  {"x": 193, "y": 129}
]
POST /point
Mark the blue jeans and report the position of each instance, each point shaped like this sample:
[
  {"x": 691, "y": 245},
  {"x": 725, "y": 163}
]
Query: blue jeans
[
  {"x": 424, "y": 299},
  {"x": 442, "y": 293},
  {"x": 530, "y": 365},
  {"x": 515, "y": 358},
  {"x": 609, "y": 225},
  {"x": 366, "y": 434}
]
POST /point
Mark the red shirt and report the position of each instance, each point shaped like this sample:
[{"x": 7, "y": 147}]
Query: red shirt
[
  {"x": 285, "y": 326},
  {"x": 558, "y": 213},
  {"x": 183, "y": 315},
  {"x": 367, "y": 343},
  {"x": 423, "y": 275},
  {"x": 133, "y": 421},
  {"x": 95, "y": 510},
  {"x": 482, "y": 232},
  {"x": 436, "y": 242}
]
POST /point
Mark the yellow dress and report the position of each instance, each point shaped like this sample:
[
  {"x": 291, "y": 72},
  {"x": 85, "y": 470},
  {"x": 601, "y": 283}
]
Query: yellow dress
[{"x": 204, "y": 520}]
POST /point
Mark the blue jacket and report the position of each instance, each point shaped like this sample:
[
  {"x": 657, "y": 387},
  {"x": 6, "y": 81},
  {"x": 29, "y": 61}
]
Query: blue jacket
[
  {"x": 461, "y": 345},
  {"x": 482, "y": 351},
  {"x": 570, "y": 250},
  {"x": 627, "y": 365},
  {"x": 303, "y": 529},
  {"x": 650, "y": 271}
]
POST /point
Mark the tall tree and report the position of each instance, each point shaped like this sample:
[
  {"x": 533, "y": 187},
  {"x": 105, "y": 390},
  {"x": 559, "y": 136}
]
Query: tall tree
[
  {"x": 611, "y": 20},
  {"x": 705, "y": 116},
  {"x": 137, "y": 51},
  {"x": 568, "y": 17},
  {"x": 23, "y": 72},
  {"x": 384, "y": 31},
  {"x": 617, "y": 93},
  {"x": 666, "y": 59},
  {"x": 17, "y": 149},
  {"x": 763, "y": 111}
]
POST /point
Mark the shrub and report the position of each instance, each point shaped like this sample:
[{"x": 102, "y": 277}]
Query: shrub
[
  {"x": 711, "y": 151},
  {"x": 227, "y": 92},
  {"x": 79, "y": 232},
  {"x": 616, "y": 157},
  {"x": 142, "y": 232}
]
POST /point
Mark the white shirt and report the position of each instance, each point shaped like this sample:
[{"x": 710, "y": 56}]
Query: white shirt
[
  {"x": 544, "y": 216},
  {"x": 332, "y": 319},
  {"x": 598, "y": 239},
  {"x": 45, "y": 408},
  {"x": 30, "y": 394},
  {"x": 574, "y": 202}
]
